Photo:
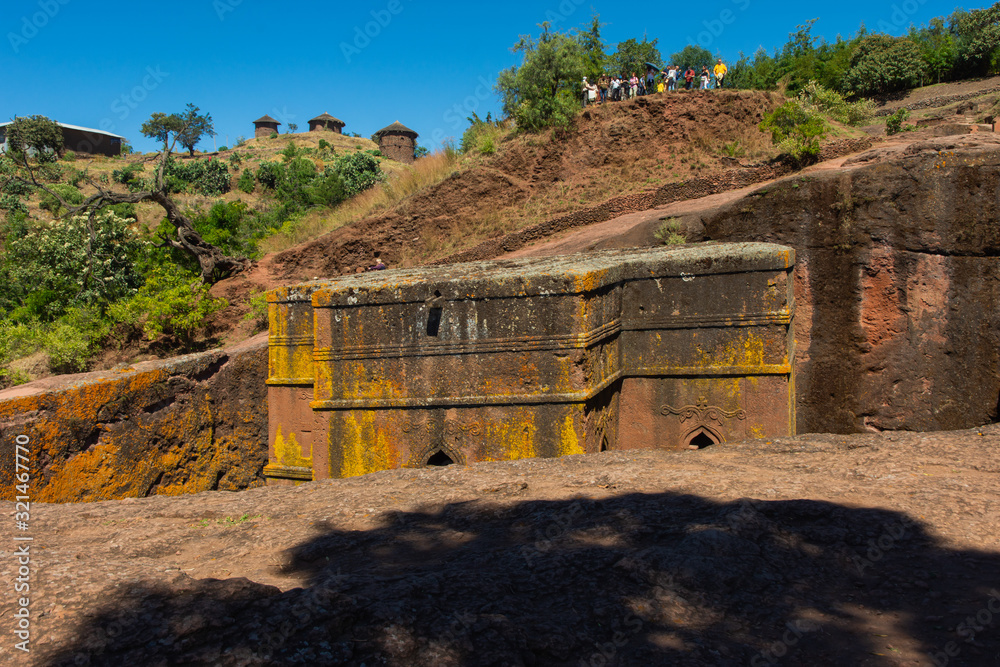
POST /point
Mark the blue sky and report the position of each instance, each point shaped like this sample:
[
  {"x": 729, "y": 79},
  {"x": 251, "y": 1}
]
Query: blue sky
[{"x": 110, "y": 65}]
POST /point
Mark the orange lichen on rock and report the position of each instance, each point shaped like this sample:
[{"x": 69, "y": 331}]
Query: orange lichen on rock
[{"x": 164, "y": 427}]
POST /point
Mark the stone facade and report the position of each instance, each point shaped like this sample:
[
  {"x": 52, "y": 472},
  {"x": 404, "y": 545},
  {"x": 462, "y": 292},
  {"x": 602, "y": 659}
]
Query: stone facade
[{"x": 666, "y": 349}]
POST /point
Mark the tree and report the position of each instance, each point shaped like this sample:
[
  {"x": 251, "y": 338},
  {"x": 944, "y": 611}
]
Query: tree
[
  {"x": 938, "y": 47},
  {"x": 883, "y": 64},
  {"x": 213, "y": 262},
  {"x": 293, "y": 128},
  {"x": 36, "y": 135},
  {"x": 978, "y": 34},
  {"x": 545, "y": 89},
  {"x": 694, "y": 57},
  {"x": 631, "y": 57},
  {"x": 161, "y": 126},
  {"x": 592, "y": 45},
  {"x": 194, "y": 127}
]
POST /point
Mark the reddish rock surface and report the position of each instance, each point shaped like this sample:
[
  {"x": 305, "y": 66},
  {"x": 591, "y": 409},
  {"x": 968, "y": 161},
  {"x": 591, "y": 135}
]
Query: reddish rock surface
[
  {"x": 181, "y": 425},
  {"x": 897, "y": 323},
  {"x": 898, "y": 259},
  {"x": 876, "y": 548}
]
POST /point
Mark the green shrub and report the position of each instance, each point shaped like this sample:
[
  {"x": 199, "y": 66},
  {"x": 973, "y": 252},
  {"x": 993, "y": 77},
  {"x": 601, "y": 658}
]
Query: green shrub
[
  {"x": 80, "y": 265},
  {"x": 359, "y": 172},
  {"x": 69, "y": 156},
  {"x": 129, "y": 177},
  {"x": 670, "y": 232},
  {"x": 124, "y": 211},
  {"x": 208, "y": 177},
  {"x": 325, "y": 145},
  {"x": 894, "y": 121},
  {"x": 215, "y": 179},
  {"x": 290, "y": 152},
  {"x": 68, "y": 193},
  {"x": 327, "y": 190},
  {"x": 247, "y": 182},
  {"x": 76, "y": 176},
  {"x": 258, "y": 310},
  {"x": 794, "y": 130},
  {"x": 69, "y": 342},
  {"x": 16, "y": 188},
  {"x": 222, "y": 225},
  {"x": 72, "y": 340},
  {"x": 814, "y": 97},
  {"x": 274, "y": 135},
  {"x": 223, "y": 148},
  {"x": 734, "y": 148},
  {"x": 12, "y": 205},
  {"x": 482, "y": 136},
  {"x": 172, "y": 302},
  {"x": 882, "y": 64},
  {"x": 236, "y": 159},
  {"x": 269, "y": 174}
]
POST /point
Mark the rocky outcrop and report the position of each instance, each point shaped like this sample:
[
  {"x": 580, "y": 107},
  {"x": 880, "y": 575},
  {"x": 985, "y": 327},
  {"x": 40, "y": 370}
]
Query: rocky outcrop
[
  {"x": 897, "y": 284},
  {"x": 183, "y": 425}
]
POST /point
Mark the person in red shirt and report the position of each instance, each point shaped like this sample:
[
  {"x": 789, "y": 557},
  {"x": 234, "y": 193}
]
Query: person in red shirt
[{"x": 689, "y": 78}]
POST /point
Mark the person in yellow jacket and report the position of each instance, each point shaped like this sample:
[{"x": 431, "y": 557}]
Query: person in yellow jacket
[{"x": 720, "y": 73}]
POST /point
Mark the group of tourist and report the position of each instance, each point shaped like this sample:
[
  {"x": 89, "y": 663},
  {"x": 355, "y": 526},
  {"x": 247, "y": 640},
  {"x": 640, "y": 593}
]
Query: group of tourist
[{"x": 617, "y": 88}]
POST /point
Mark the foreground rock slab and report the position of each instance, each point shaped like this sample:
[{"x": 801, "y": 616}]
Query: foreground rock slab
[{"x": 868, "y": 549}]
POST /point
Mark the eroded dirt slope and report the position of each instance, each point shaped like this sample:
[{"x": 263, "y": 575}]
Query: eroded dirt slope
[{"x": 613, "y": 151}]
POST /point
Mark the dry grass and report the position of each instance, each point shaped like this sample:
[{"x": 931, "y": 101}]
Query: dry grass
[{"x": 405, "y": 181}]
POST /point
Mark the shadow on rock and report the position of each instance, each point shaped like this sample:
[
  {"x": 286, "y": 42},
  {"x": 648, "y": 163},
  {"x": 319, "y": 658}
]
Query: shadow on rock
[{"x": 641, "y": 579}]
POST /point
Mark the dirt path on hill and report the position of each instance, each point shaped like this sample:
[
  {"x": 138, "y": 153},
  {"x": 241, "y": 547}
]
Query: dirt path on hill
[{"x": 860, "y": 550}]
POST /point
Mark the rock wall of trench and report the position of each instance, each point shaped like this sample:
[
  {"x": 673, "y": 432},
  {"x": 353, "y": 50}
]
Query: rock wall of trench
[
  {"x": 183, "y": 425},
  {"x": 898, "y": 292}
]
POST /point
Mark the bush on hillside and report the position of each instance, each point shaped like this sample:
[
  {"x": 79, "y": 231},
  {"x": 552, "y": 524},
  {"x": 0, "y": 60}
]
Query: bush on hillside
[
  {"x": 359, "y": 171},
  {"x": 208, "y": 177},
  {"x": 482, "y": 136},
  {"x": 795, "y": 131},
  {"x": 172, "y": 302},
  {"x": 544, "y": 90},
  {"x": 884, "y": 64},
  {"x": 69, "y": 194},
  {"x": 894, "y": 121},
  {"x": 247, "y": 182},
  {"x": 814, "y": 97},
  {"x": 78, "y": 265}
]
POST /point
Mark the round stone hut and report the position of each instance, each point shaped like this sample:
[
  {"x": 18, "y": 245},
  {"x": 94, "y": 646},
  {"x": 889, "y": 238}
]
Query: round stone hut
[
  {"x": 397, "y": 142},
  {"x": 326, "y": 123},
  {"x": 265, "y": 126}
]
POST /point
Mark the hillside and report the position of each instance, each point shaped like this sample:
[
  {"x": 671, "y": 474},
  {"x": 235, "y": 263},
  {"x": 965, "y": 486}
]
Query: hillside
[{"x": 617, "y": 159}]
